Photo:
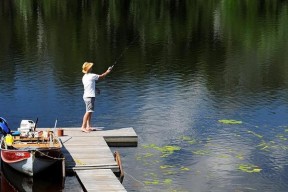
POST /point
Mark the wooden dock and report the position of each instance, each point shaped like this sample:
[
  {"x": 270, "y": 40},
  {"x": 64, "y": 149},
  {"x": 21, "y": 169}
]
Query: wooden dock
[{"x": 89, "y": 156}]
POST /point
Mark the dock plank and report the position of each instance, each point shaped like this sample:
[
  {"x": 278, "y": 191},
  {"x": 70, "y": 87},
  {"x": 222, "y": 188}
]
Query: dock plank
[
  {"x": 99, "y": 141},
  {"x": 87, "y": 151},
  {"x": 99, "y": 180}
]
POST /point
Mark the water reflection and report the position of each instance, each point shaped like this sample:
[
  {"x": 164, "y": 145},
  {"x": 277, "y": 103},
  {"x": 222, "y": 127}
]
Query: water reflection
[{"x": 49, "y": 180}]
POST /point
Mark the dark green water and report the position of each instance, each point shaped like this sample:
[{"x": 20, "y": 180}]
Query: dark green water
[{"x": 181, "y": 66}]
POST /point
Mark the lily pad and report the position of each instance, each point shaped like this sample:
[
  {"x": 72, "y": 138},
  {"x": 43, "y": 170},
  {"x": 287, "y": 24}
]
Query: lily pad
[
  {"x": 154, "y": 182},
  {"x": 229, "y": 121},
  {"x": 167, "y": 181},
  {"x": 166, "y": 150},
  {"x": 184, "y": 168},
  {"x": 188, "y": 139},
  {"x": 201, "y": 152},
  {"x": 249, "y": 168},
  {"x": 166, "y": 166}
]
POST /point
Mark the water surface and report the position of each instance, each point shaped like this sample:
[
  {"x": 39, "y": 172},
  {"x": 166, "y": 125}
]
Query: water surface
[{"x": 180, "y": 67}]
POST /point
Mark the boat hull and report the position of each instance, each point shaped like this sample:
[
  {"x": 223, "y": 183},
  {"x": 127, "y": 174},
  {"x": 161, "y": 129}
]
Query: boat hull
[
  {"x": 30, "y": 160},
  {"x": 37, "y": 161}
]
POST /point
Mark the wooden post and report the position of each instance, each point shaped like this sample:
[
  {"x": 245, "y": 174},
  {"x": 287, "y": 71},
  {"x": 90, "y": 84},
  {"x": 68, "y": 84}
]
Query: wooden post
[{"x": 63, "y": 167}]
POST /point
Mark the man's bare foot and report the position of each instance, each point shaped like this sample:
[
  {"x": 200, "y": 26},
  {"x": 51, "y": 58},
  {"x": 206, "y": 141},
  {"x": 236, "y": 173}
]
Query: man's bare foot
[
  {"x": 85, "y": 130},
  {"x": 91, "y": 129}
]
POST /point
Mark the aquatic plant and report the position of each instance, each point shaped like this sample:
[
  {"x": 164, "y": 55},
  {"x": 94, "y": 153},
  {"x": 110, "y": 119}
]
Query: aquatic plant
[
  {"x": 153, "y": 182},
  {"x": 188, "y": 139},
  {"x": 201, "y": 152},
  {"x": 249, "y": 168},
  {"x": 167, "y": 181},
  {"x": 182, "y": 168},
  {"x": 255, "y": 134},
  {"x": 229, "y": 121},
  {"x": 165, "y": 150},
  {"x": 166, "y": 166}
]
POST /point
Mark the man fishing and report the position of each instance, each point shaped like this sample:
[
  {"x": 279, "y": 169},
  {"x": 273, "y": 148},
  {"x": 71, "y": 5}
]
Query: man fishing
[{"x": 89, "y": 81}]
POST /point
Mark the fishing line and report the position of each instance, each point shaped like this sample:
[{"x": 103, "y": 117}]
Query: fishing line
[
  {"x": 125, "y": 49},
  {"x": 135, "y": 179}
]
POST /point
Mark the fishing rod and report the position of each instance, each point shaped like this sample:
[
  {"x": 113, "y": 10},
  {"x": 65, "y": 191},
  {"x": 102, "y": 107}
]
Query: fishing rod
[{"x": 122, "y": 53}]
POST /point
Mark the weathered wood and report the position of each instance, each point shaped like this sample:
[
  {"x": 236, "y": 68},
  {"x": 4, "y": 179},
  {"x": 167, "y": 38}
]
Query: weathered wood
[
  {"x": 82, "y": 151},
  {"x": 99, "y": 180}
]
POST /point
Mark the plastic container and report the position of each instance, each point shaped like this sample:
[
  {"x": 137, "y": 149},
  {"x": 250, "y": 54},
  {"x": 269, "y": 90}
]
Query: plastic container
[{"x": 9, "y": 139}]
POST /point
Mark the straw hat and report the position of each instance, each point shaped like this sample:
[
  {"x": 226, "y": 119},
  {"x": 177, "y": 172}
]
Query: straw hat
[{"x": 86, "y": 67}]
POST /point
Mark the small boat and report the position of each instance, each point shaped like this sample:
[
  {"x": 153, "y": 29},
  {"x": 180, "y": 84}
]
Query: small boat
[{"x": 29, "y": 152}]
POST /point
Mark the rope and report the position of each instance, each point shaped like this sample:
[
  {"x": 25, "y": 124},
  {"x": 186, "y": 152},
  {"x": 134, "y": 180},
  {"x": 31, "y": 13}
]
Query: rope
[{"x": 56, "y": 158}]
